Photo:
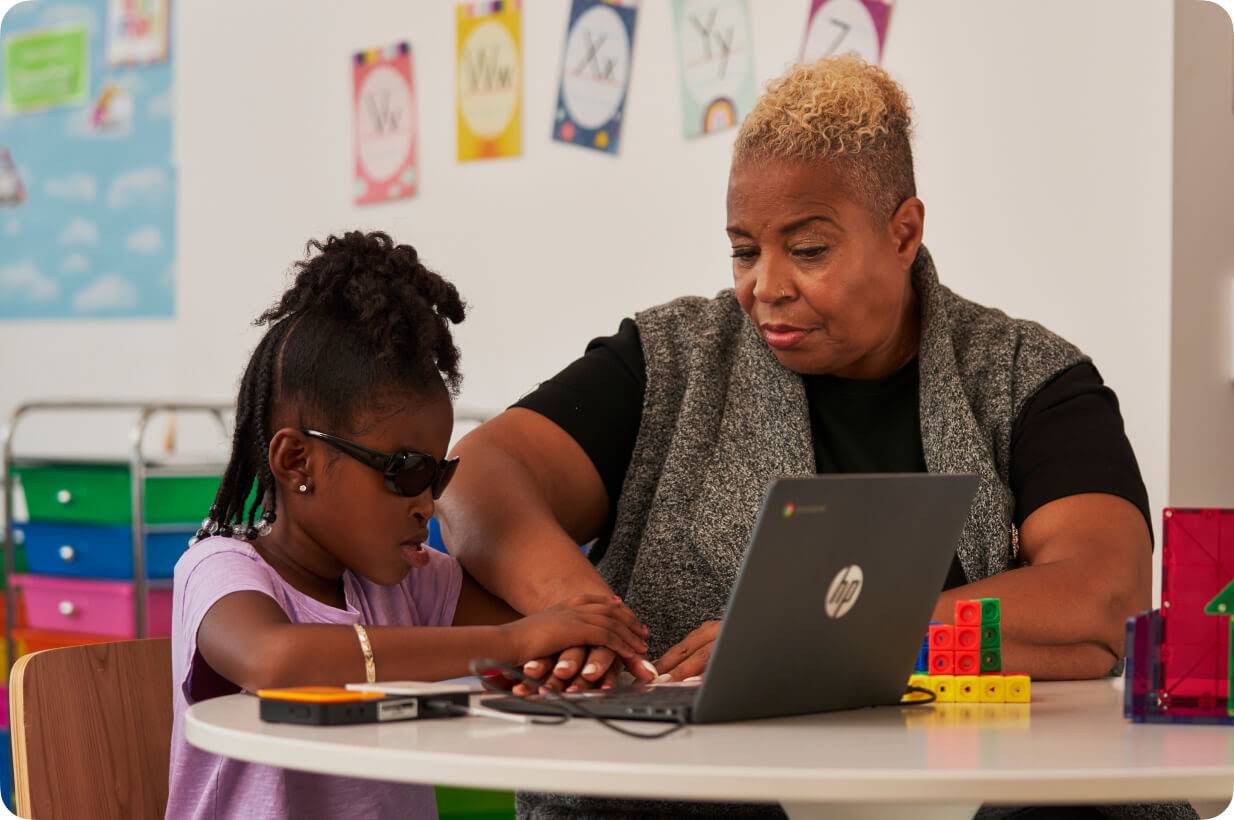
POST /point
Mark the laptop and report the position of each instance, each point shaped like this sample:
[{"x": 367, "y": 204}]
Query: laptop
[{"x": 831, "y": 604}]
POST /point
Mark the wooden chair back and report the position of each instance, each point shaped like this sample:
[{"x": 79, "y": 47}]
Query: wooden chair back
[{"x": 91, "y": 728}]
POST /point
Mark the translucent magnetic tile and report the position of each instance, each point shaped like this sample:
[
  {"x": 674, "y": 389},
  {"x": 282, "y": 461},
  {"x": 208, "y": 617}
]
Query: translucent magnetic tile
[{"x": 1197, "y": 562}]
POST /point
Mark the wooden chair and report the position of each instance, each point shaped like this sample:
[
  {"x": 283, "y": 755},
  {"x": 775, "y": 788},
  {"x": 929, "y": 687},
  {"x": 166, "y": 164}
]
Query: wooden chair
[{"x": 91, "y": 729}]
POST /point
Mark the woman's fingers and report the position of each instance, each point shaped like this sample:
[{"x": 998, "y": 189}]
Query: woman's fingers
[
  {"x": 642, "y": 669},
  {"x": 599, "y": 662},
  {"x": 568, "y": 663},
  {"x": 692, "y": 666},
  {"x": 705, "y": 635}
]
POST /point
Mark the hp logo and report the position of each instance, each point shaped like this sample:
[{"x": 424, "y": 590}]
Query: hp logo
[{"x": 844, "y": 591}]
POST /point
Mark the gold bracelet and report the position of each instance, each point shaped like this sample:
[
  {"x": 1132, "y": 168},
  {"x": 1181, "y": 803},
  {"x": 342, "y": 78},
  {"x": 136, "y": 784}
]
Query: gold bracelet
[{"x": 370, "y": 668}]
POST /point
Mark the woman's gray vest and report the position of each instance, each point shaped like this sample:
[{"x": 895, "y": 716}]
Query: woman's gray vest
[{"x": 722, "y": 417}]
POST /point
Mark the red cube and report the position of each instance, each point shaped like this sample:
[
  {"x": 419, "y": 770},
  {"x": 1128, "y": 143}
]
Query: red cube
[
  {"x": 942, "y": 662},
  {"x": 967, "y": 663},
  {"x": 968, "y": 613},
  {"x": 942, "y": 636},
  {"x": 967, "y": 638}
]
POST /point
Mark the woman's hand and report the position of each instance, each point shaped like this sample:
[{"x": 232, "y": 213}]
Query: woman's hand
[
  {"x": 594, "y": 620},
  {"x": 689, "y": 658}
]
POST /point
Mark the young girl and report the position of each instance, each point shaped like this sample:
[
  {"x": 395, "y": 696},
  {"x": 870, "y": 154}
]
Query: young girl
[{"x": 311, "y": 567}]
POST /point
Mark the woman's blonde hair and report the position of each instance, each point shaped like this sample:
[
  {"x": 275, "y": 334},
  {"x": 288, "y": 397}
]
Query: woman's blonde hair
[{"x": 843, "y": 110}]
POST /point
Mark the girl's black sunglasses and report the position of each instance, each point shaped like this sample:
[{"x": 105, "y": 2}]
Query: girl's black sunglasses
[{"x": 407, "y": 472}]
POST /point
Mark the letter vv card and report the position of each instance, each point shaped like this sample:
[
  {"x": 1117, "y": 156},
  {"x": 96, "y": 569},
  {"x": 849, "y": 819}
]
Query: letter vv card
[{"x": 490, "y": 79}]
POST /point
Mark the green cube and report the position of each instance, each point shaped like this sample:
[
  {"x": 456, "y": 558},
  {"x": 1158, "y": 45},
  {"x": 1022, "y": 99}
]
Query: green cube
[
  {"x": 991, "y": 660},
  {"x": 991, "y": 611},
  {"x": 991, "y": 637}
]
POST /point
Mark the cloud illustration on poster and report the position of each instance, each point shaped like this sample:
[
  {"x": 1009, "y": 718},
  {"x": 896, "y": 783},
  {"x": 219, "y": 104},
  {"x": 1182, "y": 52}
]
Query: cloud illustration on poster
[
  {"x": 108, "y": 293},
  {"x": 80, "y": 232},
  {"x": 75, "y": 187},
  {"x": 145, "y": 185},
  {"x": 75, "y": 263},
  {"x": 23, "y": 281},
  {"x": 145, "y": 240},
  {"x": 64, "y": 16}
]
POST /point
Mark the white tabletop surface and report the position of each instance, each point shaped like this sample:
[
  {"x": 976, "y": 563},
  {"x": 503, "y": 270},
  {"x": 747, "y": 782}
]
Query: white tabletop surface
[{"x": 1071, "y": 745}]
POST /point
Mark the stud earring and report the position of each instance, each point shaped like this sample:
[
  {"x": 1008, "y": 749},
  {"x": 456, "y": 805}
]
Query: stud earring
[{"x": 303, "y": 488}]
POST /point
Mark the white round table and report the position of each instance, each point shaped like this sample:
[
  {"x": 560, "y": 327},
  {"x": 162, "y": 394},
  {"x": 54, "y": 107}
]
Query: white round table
[{"x": 1071, "y": 745}]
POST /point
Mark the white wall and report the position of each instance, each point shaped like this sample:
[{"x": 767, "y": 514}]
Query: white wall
[
  {"x": 1202, "y": 370},
  {"x": 1044, "y": 154}
]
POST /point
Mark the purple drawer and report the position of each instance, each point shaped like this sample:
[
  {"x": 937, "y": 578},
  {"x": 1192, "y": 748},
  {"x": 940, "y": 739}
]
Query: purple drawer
[{"x": 94, "y": 607}]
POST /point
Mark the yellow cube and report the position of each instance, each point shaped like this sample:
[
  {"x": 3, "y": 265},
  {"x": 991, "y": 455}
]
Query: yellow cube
[
  {"x": 993, "y": 689},
  {"x": 967, "y": 689},
  {"x": 1019, "y": 689},
  {"x": 944, "y": 688},
  {"x": 920, "y": 681}
]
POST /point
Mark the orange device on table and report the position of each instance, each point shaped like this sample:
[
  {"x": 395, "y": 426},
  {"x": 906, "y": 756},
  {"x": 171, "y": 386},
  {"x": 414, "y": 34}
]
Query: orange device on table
[{"x": 336, "y": 706}]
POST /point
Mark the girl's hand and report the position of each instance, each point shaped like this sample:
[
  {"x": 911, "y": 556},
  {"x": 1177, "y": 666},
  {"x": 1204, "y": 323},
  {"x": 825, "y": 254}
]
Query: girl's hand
[{"x": 586, "y": 620}]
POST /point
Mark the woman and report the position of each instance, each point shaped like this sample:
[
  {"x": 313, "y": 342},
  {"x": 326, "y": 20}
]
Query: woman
[{"x": 837, "y": 350}]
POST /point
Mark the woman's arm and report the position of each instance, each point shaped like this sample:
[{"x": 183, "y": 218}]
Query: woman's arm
[
  {"x": 479, "y": 607},
  {"x": 525, "y": 497},
  {"x": 1090, "y": 568},
  {"x": 247, "y": 638}
]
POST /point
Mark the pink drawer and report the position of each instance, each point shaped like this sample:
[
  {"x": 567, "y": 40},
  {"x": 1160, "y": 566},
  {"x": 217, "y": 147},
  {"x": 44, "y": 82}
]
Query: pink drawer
[{"x": 92, "y": 606}]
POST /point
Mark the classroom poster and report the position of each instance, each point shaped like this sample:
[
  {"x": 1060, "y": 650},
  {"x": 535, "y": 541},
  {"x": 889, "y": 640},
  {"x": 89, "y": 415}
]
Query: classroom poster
[
  {"x": 46, "y": 68},
  {"x": 384, "y": 119},
  {"x": 846, "y": 26},
  {"x": 87, "y": 186},
  {"x": 716, "y": 61},
  {"x": 12, "y": 191},
  {"x": 489, "y": 79},
  {"x": 137, "y": 31},
  {"x": 595, "y": 74}
]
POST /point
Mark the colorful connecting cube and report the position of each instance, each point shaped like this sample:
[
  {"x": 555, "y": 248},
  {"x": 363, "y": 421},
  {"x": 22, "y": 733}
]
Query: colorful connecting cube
[
  {"x": 967, "y": 638},
  {"x": 1019, "y": 689},
  {"x": 944, "y": 688},
  {"x": 968, "y": 663},
  {"x": 967, "y": 689},
  {"x": 921, "y": 682},
  {"x": 968, "y": 613},
  {"x": 993, "y": 689},
  {"x": 971, "y": 688},
  {"x": 964, "y": 660},
  {"x": 991, "y": 636},
  {"x": 942, "y": 636}
]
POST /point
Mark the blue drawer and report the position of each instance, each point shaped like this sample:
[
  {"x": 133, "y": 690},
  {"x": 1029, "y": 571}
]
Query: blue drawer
[
  {"x": 6, "y": 770},
  {"x": 98, "y": 552}
]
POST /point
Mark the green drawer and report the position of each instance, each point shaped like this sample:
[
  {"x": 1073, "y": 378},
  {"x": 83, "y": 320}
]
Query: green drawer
[
  {"x": 467, "y": 804},
  {"x": 19, "y": 558},
  {"x": 101, "y": 494}
]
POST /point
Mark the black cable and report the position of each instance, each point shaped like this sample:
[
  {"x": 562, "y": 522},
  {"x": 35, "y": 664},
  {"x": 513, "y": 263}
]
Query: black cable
[
  {"x": 568, "y": 706},
  {"x": 919, "y": 690}
]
